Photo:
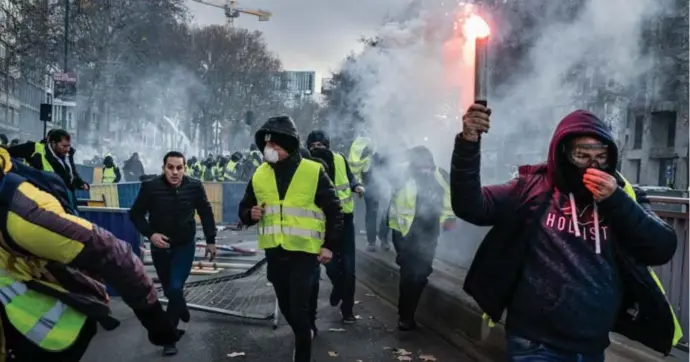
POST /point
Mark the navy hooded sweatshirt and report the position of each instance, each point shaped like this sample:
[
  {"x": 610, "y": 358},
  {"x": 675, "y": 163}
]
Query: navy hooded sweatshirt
[{"x": 569, "y": 293}]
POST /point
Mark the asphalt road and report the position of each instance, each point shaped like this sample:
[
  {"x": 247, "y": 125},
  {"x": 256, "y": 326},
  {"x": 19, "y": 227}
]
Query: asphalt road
[{"x": 213, "y": 337}]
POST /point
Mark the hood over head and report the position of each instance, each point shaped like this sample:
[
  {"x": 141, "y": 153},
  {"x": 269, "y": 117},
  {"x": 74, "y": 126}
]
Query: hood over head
[
  {"x": 253, "y": 147},
  {"x": 420, "y": 157},
  {"x": 560, "y": 171},
  {"x": 318, "y": 136},
  {"x": 280, "y": 130},
  {"x": 326, "y": 156},
  {"x": 236, "y": 157},
  {"x": 108, "y": 161}
]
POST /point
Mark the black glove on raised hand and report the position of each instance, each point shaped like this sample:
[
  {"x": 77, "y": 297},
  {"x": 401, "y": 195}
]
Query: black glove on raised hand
[{"x": 161, "y": 330}]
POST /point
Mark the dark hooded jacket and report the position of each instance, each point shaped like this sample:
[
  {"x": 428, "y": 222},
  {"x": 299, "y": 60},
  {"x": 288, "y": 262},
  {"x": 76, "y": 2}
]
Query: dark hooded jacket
[
  {"x": 533, "y": 263},
  {"x": 283, "y": 132},
  {"x": 108, "y": 162},
  {"x": 327, "y": 156},
  {"x": 133, "y": 168}
]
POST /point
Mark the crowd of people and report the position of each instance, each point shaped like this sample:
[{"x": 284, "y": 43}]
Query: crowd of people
[{"x": 567, "y": 257}]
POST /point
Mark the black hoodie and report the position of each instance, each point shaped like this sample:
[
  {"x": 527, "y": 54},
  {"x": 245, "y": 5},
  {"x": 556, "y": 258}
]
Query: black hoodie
[{"x": 539, "y": 260}]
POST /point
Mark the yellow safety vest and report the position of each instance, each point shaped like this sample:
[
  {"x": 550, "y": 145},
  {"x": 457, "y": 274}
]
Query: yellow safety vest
[
  {"x": 358, "y": 165},
  {"x": 256, "y": 158},
  {"x": 230, "y": 171},
  {"x": 219, "y": 173},
  {"x": 188, "y": 170},
  {"x": 294, "y": 223},
  {"x": 44, "y": 320},
  {"x": 677, "y": 330},
  {"x": 402, "y": 210},
  {"x": 40, "y": 149},
  {"x": 108, "y": 175},
  {"x": 342, "y": 184}
]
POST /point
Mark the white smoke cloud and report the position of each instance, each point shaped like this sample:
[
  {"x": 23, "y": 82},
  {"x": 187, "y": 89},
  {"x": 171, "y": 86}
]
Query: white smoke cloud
[{"x": 405, "y": 101}]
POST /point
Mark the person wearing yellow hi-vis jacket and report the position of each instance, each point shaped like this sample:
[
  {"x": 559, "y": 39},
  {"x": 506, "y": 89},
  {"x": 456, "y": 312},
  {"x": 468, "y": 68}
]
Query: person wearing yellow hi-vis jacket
[
  {"x": 299, "y": 219},
  {"x": 342, "y": 270},
  {"x": 418, "y": 211},
  {"x": 50, "y": 303},
  {"x": 570, "y": 250}
]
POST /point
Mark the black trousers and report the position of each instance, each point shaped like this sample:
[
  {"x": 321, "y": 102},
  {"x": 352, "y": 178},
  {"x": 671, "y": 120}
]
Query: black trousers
[
  {"x": 341, "y": 270},
  {"x": 374, "y": 226},
  {"x": 20, "y": 349},
  {"x": 292, "y": 276},
  {"x": 415, "y": 258}
]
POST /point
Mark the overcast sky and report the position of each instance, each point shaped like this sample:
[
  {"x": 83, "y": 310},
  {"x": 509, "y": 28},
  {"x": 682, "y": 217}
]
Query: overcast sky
[{"x": 307, "y": 34}]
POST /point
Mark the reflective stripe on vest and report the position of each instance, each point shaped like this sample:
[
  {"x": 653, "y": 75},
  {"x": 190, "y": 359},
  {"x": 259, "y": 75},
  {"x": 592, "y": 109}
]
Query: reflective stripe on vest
[
  {"x": 403, "y": 206},
  {"x": 294, "y": 223},
  {"x": 44, "y": 320},
  {"x": 40, "y": 149},
  {"x": 108, "y": 175},
  {"x": 357, "y": 163},
  {"x": 342, "y": 184}
]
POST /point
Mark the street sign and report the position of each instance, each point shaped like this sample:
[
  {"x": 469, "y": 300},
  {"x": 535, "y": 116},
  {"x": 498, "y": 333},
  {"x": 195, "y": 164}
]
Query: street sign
[{"x": 65, "y": 87}]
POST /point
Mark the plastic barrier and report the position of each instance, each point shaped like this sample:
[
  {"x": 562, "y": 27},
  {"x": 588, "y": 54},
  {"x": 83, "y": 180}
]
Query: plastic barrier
[
  {"x": 109, "y": 191},
  {"x": 214, "y": 193},
  {"x": 127, "y": 192},
  {"x": 232, "y": 195},
  {"x": 115, "y": 220},
  {"x": 223, "y": 196}
]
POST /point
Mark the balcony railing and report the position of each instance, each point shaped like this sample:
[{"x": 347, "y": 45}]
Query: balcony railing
[{"x": 674, "y": 275}]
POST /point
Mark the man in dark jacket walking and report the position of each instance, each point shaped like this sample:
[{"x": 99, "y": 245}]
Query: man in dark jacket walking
[
  {"x": 170, "y": 202},
  {"x": 300, "y": 222},
  {"x": 342, "y": 270},
  {"x": 573, "y": 241}
]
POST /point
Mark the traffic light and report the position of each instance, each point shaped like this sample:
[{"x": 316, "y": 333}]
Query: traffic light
[
  {"x": 249, "y": 118},
  {"x": 46, "y": 112}
]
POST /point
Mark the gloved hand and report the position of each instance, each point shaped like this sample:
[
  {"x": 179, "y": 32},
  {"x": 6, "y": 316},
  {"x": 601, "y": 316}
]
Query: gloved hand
[{"x": 161, "y": 330}]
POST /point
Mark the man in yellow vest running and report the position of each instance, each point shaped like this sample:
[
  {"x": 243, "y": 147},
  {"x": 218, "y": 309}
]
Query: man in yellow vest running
[
  {"x": 50, "y": 303},
  {"x": 418, "y": 211},
  {"x": 299, "y": 222},
  {"x": 342, "y": 270}
]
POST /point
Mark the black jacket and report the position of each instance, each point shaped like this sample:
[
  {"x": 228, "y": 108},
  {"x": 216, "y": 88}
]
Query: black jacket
[
  {"x": 326, "y": 199},
  {"x": 515, "y": 209},
  {"x": 171, "y": 210},
  {"x": 133, "y": 169},
  {"x": 26, "y": 152}
]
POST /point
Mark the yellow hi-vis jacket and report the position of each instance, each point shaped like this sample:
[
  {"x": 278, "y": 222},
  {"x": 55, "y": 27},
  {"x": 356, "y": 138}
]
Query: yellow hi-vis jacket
[
  {"x": 40, "y": 149},
  {"x": 677, "y": 330},
  {"x": 294, "y": 223},
  {"x": 108, "y": 175},
  {"x": 403, "y": 206},
  {"x": 342, "y": 184},
  {"x": 359, "y": 164},
  {"x": 230, "y": 171}
]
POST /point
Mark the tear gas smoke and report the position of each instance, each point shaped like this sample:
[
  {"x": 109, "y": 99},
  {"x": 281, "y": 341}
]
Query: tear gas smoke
[
  {"x": 162, "y": 101},
  {"x": 412, "y": 88}
]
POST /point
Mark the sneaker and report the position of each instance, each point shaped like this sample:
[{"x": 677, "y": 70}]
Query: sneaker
[
  {"x": 170, "y": 350},
  {"x": 385, "y": 246},
  {"x": 349, "y": 319},
  {"x": 335, "y": 297},
  {"x": 371, "y": 247},
  {"x": 407, "y": 325}
]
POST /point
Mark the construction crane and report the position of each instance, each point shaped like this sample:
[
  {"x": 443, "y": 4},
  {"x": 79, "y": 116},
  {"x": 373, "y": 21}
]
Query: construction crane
[{"x": 232, "y": 11}]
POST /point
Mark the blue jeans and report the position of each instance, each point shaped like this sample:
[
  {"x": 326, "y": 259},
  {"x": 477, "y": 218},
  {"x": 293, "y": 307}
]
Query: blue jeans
[
  {"x": 173, "y": 266},
  {"x": 341, "y": 270},
  {"x": 524, "y": 350}
]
